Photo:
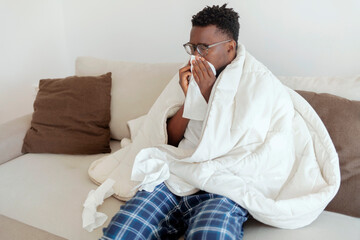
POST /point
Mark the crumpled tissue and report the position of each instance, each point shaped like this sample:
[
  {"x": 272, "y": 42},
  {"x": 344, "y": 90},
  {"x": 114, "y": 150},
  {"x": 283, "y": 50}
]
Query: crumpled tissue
[{"x": 91, "y": 218}]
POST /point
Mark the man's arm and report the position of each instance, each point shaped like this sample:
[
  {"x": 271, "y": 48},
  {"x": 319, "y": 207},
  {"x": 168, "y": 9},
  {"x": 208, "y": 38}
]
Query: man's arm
[{"x": 176, "y": 127}]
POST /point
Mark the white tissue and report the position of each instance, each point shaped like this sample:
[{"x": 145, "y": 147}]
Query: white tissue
[
  {"x": 159, "y": 175},
  {"x": 195, "y": 105},
  {"x": 91, "y": 218},
  {"x": 150, "y": 169}
]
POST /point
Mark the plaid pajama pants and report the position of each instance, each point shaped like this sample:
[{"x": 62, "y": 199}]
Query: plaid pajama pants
[{"x": 162, "y": 215}]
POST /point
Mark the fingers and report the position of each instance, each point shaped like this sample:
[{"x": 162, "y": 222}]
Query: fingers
[
  {"x": 184, "y": 81},
  {"x": 202, "y": 67},
  {"x": 184, "y": 72},
  {"x": 186, "y": 77},
  {"x": 184, "y": 69},
  {"x": 197, "y": 71},
  {"x": 206, "y": 67},
  {"x": 201, "y": 71},
  {"x": 196, "y": 76}
]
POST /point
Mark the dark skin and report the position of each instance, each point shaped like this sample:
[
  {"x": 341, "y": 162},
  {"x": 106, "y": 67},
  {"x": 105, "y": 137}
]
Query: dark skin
[{"x": 220, "y": 56}]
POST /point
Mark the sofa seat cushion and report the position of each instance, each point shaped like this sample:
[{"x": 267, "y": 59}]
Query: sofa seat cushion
[
  {"x": 12, "y": 229},
  {"x": 47, "y": 191},
  {"x": 329, "y": 226}
]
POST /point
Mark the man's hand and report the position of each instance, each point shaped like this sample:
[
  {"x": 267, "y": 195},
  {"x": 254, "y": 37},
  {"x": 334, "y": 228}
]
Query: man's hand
[
  {"x": 204, "y": 76},
  {"x": 184, "y": 77}
]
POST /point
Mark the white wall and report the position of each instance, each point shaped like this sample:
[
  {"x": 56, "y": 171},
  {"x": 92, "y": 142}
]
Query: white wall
[
  {"x": 32, "y": 46},
  {"x": 290, "y": 37},
  {"x": 43, "y": 38},
  {"x": 304, "y": 38}
]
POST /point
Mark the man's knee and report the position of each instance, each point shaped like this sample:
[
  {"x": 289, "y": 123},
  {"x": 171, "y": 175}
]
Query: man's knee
[
  {"x": 224, "y": 205},
  {"x": 217, "y": 218},
  {"x": 140, "y": 217}
]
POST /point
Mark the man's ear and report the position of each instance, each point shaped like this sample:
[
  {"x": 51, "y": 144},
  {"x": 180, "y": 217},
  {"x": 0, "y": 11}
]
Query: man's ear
[{"x": 231, "y": 46}]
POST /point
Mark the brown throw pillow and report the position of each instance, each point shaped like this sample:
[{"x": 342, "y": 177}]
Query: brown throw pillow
[
  {"x": 342, "y": 120},
  {"x": 71, "y": 116}
]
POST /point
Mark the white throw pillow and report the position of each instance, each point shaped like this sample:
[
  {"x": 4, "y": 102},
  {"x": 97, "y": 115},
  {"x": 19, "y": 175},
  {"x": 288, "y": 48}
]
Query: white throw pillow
[{"x": 135, "y": 87}]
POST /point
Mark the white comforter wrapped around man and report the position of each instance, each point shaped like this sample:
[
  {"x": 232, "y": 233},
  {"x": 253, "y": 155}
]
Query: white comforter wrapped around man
[{"x": 262, "y": 145}]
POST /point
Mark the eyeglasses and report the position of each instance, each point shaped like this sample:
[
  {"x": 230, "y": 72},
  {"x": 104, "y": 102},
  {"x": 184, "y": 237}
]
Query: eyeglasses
[{"x": 202, "y": 49}]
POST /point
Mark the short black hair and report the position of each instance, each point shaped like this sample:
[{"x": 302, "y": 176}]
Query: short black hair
[{"x": 225, "y": 19}]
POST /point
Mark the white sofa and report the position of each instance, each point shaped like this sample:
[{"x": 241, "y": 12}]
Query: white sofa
[{"x": 41, "y": 195}]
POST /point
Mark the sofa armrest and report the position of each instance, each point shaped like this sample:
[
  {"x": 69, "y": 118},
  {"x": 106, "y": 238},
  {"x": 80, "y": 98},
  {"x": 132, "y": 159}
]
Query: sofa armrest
[{"x": 12, "y": 134}]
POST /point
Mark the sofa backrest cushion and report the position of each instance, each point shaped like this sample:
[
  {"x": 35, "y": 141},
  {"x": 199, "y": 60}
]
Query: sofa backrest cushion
[
  {"x": 346, "y": 87},
  {"x": 71, "y": 116},
  {"x": 135, "y": 87}
]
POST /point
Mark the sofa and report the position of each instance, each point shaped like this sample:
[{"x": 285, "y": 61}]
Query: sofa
[{"x": 42, "y": 194}]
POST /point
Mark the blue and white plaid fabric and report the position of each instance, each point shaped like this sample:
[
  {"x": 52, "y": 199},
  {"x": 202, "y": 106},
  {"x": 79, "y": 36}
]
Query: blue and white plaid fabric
[{"x": 162, "y": 215}]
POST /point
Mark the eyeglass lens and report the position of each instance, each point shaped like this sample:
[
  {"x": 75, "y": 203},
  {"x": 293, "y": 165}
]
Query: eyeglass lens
[{"x": 190, "y": 49}]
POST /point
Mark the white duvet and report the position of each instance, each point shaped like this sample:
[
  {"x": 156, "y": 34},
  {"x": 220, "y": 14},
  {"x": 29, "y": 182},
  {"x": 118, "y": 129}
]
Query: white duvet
[{"x": 261, "y": 145}]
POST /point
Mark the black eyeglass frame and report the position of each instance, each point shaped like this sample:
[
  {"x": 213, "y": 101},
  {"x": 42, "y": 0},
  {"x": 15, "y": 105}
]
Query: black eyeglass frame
[{"x": 196, "y": 47}]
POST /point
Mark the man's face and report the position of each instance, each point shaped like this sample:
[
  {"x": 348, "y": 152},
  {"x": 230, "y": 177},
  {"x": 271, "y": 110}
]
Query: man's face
[{"x": 219, "y": 55}]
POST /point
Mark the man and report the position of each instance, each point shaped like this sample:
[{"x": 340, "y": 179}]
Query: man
[
  {"x": 161, "y": 214},
  {"x": 238, "y": 143}
]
